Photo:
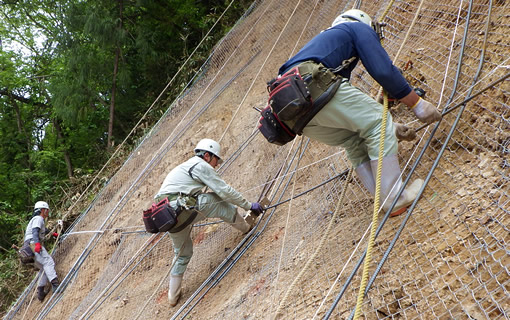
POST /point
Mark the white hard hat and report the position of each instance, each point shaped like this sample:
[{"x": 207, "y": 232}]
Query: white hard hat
[
  {"x": 353, "y": 15},
  {"x": 41, "y": 205},
  {"x": 210, "y": 146}
]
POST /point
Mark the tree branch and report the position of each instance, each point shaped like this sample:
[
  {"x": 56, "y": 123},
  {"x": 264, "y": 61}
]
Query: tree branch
[{"x": 10, "y": 94}]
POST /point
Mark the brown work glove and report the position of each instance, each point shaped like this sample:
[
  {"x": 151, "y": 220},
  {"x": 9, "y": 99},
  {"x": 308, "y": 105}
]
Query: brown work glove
[
  {"x": 425, "y": 111},
  {"x": 404, "y": 133}
]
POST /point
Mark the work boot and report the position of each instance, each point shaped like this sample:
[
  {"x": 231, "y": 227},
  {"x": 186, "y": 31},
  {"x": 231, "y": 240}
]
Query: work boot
[
  {"x": 364, "y": 172},
  {"x": 174, "y": 289},
  {"x": 240, "y": 223},
  {"x": 54, "y": 284},
  {"x": 391, "y": 184},
  {"x": 41, "y": 294},
  {"x": 406, "y": 198}
]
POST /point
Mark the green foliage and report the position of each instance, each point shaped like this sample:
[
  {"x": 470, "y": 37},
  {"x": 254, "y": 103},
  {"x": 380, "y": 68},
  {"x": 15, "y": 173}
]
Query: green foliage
[{"x": 13, "y": 279}]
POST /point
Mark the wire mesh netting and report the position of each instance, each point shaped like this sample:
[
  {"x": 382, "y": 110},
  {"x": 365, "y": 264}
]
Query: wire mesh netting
[{"x": 448, "y": 258}]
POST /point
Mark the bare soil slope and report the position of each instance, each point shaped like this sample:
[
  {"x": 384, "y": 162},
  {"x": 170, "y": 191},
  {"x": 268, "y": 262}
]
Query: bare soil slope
[{"x": 451, "y": 260}]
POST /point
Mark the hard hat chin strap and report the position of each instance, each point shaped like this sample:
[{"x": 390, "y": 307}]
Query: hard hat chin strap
[{"x": 379, "y": 29}]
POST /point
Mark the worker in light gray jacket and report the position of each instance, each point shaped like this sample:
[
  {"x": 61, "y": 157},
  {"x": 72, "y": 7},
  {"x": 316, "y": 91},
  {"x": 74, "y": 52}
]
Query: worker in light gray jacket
[
  {"x": 183, "y": 188},
  {"x": 34, "y": 235}
]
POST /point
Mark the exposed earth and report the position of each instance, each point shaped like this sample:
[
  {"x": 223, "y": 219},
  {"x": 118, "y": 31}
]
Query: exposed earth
[{"x": 451, "y": 260}]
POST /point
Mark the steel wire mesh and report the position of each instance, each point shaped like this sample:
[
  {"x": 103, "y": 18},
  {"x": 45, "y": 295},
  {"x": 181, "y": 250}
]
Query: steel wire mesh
[{"x": 452, "y": 259}]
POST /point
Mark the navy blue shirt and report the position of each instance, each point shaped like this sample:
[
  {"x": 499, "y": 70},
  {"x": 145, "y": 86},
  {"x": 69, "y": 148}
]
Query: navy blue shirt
[{"x": 353, "y": 39}]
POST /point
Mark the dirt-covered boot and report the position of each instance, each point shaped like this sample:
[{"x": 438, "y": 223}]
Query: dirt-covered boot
[
  {"x": 407, "y": 197},
  {"x": 240, "y": 223},
  {"x": 41, "y": 294},
  {"x": 54, "y": 284},
  {"x": 174, "y": 289},
  {"x": 391, "y": 183}
]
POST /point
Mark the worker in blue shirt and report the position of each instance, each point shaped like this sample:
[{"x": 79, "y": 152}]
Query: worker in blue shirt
[{"x": 352, "y": 119}]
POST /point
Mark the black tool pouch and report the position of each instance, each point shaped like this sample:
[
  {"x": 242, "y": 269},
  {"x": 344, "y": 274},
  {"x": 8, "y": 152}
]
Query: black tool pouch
[
  {"x": 160, "y": 217},
  {"x": 295, "y": 98},
  {"x": 25, "y": 254},
  {"x": 274, "y": 130}
]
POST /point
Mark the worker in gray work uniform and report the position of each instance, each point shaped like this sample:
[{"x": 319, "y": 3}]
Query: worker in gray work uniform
[
  {"x": 352, "y": 119},
  {"x": 34, "y": 235},
  {"x": 183, "y": 188}
]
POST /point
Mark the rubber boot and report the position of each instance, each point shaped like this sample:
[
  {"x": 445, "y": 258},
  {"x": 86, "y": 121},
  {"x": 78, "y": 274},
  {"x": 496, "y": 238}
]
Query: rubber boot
[
  {"x": 54, "y": 285},
  {"x": 391, "y": 184},
  {"x": 364, "y": 172},
  {"x": 407, "y": 197},
  {"x": 174, "y": 289},
  {"x": 240, "y": 223},
  {"x": 41, "y": 294}
]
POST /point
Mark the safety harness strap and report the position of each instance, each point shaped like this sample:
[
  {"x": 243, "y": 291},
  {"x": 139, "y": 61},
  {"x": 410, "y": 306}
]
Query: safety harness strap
[
  {"x": 185, "y": 223},
  {"x": 183, "y": 211},
  {"x": 191, "y": 169},
  {"x": 323, "y": 83}
]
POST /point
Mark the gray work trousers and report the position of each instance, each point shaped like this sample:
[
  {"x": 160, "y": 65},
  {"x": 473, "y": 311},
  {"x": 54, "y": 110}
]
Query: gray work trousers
[
  {"x": 352, "y": 120},
  {"x": 46, "y": 265},
  {"x": 209, "y": 206}
]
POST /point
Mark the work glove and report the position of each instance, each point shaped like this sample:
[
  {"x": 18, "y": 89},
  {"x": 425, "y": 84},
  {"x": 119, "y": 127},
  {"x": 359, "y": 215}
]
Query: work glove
[
  {"x": 403, "y": 132},
  {"x": 256, "y": 208},
  {"x": 38, "y": 247},
  {"x": 425, "y": 111}
]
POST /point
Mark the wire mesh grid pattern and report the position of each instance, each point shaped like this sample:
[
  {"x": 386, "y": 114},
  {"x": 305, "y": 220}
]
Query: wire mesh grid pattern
[{"x": 450, "y": 261}]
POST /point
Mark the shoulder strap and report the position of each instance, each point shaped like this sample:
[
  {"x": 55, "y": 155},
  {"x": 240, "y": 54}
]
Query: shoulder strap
[{"x": 191, "y": 169}]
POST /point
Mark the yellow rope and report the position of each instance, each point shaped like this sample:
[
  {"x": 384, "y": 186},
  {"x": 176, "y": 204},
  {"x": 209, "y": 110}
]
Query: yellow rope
[
  {"x": 373, "y": 229},
  {"x": 319, "y": 247},
  {"x": 371, "y": 241}
]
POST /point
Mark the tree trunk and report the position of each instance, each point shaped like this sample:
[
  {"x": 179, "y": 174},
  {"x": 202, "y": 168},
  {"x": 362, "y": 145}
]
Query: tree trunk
[
  {"x": 112, "y": 101},
  {"x": 67, "y": 157},
  {"x": 22, "y": 132},
  {"x": 114, "y": 84}
]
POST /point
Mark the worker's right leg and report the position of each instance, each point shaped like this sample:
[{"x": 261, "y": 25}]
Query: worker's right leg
[
  {"x": 364, "y": 172},
  {"x": 391, "y": 184},
  {"x": 174, "y": 289},
  {"x": 41, "y": 285}
]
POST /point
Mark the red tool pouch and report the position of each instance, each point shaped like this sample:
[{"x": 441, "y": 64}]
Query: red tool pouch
[
  {"x": 289, "y": 96},
  {"x": 160, "y": 217},
  {"x": 289, "y": 99}
]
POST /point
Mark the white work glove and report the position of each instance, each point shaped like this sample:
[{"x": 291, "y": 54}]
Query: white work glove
[
  {"x": 404, "y": 133},
  {"x": 425, "y": 111}
]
